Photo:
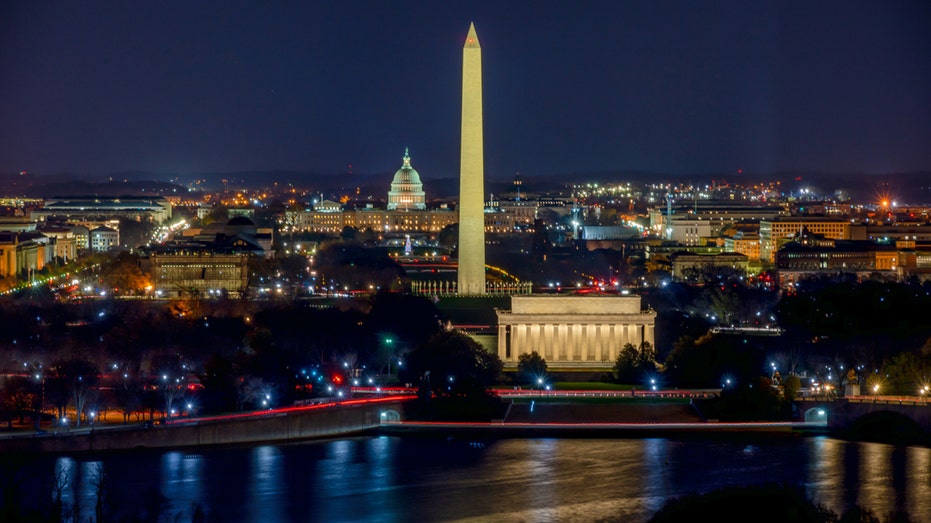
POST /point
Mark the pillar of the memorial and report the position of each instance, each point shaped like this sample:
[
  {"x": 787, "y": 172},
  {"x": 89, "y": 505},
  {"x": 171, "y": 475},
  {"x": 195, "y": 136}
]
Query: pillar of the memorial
[
  {"x": 544, "y": 345},
  {"x": 561, "y": 330},
  {"x": 516, "y": 339},
  {"x": 596, "y": 342},
  {"x": 616, "y": 340},
  {"x": 502, "y": 343},
  {"x": 584, "y": 341},
  {"x": 569, "y": 340},
  {"x": 633, "y": 332},
  {"x": 605, "y": 342},
  {"x": 579, "y": 341},
  {"x": 560, "y": 339},
  {"x": 534, "y": 338},
  {"x": 521, "y": 339}
]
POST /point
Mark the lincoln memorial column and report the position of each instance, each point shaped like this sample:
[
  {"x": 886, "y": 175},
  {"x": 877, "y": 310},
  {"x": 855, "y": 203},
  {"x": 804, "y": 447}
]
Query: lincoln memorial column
[{"x": 502, "y": 343}]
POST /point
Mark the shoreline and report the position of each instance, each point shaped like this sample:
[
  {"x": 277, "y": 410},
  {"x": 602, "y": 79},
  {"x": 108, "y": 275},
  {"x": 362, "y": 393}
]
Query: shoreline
[{"x": 502, "y": 429}]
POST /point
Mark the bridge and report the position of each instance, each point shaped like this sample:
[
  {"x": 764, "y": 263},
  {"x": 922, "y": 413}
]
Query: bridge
[{"x": 894, "y": 418}]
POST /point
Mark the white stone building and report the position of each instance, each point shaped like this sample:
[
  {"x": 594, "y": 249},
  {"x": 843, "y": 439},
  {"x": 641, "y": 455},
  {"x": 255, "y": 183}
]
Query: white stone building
[{"x": 572, "y": 333}]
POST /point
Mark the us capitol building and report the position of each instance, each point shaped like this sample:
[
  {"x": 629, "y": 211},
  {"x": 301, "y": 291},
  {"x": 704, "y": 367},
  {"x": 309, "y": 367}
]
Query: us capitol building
[{"x": 407, "y": 211}]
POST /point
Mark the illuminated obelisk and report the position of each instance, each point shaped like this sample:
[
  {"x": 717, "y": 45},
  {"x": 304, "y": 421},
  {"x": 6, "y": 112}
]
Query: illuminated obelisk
[{"x": 471, "y": 173}]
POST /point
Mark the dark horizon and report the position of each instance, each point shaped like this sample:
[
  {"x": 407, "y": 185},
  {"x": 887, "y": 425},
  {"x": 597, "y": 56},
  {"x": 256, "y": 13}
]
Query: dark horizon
[{"x": 912, "y": 189}]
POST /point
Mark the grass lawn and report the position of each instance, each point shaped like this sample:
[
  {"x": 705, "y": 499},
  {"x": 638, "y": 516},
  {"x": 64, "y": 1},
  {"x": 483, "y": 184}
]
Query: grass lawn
[
  {"x": 590, "y": 385},
  {"x": 623, "y": 400},
  {"x": 580, "y": 385}
]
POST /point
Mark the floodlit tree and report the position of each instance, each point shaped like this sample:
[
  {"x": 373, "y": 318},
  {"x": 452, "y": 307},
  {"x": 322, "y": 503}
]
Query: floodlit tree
[
  {"x": 127, "y": 396},
  {"x": 906, "y": 373},
  {"x": 531, "y": 367},
  {"x": 634, "y": 363},
  {"x": 77, "y": 378},
  {"x": 123, "y": 275}
]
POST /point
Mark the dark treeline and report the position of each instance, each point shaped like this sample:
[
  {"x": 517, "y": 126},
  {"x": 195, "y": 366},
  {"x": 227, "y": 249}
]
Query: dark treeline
[
  {"x": 146, "y": 356},
  {"x": 226, "y": 355}
]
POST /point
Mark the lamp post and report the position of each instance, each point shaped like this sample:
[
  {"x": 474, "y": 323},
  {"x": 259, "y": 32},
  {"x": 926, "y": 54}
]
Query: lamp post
[{"x": 390, "y": 344}]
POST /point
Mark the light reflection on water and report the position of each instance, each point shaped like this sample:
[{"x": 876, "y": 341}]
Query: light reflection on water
[{"x": 388, "y": 479}]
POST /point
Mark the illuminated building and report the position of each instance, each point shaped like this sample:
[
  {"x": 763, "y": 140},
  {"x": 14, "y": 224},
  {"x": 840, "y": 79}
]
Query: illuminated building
[
  {"x": 212, "y": 262},
  {"x": 20, "y": 254},
  {"x": 103, "y": 238},
  {"x": 406, "y": 192},
  {"x": 775, "y": 233},
  {"x": 199, "y": 273},
  {"x": 747, "y": 243},
  {"x": 683, "y": 262},
  {"x": 155, "y": 209},
  {"x": 572, "y": 333}
]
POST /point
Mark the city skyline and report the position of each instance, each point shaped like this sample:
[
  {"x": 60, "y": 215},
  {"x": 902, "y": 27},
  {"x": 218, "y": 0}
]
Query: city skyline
[{"x": 671, "y": 87}]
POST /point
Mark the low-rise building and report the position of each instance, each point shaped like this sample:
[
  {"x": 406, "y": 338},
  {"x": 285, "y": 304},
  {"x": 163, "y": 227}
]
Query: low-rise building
[{"x": 684, "y": 262}]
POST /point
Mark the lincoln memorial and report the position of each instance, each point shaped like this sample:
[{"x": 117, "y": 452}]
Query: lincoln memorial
[{"x": 581, "y": 333}]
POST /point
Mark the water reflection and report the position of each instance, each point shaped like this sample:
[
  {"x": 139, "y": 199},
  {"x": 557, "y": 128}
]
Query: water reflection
[
  {"x": 263, "y": 497},
  {"x": 388, "y": 479},
  {"x": 883, "y": 478},
  {"x": 826, "y": 459},
  {"x": 181, "y": 483},
  {"x": 63, "y": 482},
  {"x": 656, "y": 478}
]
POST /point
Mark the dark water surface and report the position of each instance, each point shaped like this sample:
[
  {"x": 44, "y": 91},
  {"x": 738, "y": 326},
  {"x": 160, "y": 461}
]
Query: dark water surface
[{"x": 401, "y": 479}]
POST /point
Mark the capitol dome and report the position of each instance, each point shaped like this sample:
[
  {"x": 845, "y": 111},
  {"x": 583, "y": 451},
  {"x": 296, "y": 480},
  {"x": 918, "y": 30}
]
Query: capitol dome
[{"x": 406, "y": 189}]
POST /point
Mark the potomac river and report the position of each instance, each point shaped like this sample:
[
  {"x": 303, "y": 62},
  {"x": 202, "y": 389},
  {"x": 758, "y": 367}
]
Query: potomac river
[{"x": 401, "y": 478}]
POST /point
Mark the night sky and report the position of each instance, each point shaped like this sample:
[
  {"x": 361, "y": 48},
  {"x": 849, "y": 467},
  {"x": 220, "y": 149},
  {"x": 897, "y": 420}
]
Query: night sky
[{"x": 678, "y": 87}]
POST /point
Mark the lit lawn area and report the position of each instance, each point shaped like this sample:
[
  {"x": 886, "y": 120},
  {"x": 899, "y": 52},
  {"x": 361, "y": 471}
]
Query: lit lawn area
[
  {"x": 622, "y": 400},
  {"x": 590, "y": 385},
  {"x": 577, "y": 385}
]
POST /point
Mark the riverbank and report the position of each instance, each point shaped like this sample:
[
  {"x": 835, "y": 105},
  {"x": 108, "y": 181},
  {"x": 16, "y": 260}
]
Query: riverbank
[
  {"x": 523, "y": 418},
  {"x": 566, "y": 418},
  {"x": 275, "y": 426}
]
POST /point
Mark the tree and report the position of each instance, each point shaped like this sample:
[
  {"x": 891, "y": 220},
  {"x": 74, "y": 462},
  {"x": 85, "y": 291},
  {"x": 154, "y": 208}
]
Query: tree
[
  {"x": 448, "y": 238},
  {"x": 17, "y": 397},
  {"x": 704, "y": 362},
  {"x": 124, "y": 275},
  {"x": 77, "y": 378},
  {"x": 906, "y": 373},
  {"x": 127, "y": 396},
  {"x": 750, "y": 400},
  {"x": 531, "y": 367},
  {"x": 625, "y": 366},
  {"x": 355, "y": 266},
  {"x": 349, "y": 233},
  {"x": 452, "y": 364},
  {"x": 633, "y": 363},
  {"x": 790, "y": 387}
]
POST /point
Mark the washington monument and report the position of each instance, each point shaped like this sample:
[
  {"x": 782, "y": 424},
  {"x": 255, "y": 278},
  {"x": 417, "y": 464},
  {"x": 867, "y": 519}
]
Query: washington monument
[{"x": 471, "y": 173}]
